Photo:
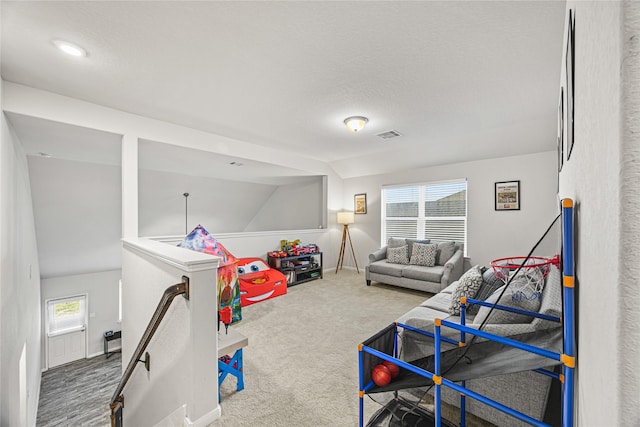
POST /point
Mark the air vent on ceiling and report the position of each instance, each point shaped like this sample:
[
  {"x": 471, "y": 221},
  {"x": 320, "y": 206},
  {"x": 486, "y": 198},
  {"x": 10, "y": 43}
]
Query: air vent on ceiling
[{"x": 389, "y": 134}]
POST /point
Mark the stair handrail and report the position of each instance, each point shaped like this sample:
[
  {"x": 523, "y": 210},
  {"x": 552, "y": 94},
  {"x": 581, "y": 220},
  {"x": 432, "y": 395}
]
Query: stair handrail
[{"x": 182, "y": 288}]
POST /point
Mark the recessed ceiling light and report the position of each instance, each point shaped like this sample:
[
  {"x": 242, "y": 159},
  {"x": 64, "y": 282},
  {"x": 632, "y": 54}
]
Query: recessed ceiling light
[{"x": 69, "y": 48}]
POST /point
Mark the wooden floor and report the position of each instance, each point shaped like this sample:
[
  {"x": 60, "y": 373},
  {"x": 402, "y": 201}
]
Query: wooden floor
[{"x": 78, "y": 394}]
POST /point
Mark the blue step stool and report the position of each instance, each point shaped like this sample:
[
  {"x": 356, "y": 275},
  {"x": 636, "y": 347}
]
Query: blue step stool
[{"x": 231, "y": 342}]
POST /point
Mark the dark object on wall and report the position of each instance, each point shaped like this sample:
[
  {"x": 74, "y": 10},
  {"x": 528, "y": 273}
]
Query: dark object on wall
[
  {"x": 570, "y": 59},
  {"x": 507, "y": 196},
  {"x": 561, "y": 130}
]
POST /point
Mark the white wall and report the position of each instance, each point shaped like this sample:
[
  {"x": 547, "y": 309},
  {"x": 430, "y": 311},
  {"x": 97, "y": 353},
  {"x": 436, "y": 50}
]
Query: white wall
[
  {"x": 219, "y": 205},
  {"x": 78, "y": 214},
  {"x": 490, "y": 234},
  {"x": 102, "y": 290},
  {"x": 19, "y": 287},
  {"x": 602, "y": 177},
  {"x": 291, "y": 207}
]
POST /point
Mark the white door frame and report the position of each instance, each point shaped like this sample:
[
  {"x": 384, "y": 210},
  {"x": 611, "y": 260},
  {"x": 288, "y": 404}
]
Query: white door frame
[{"x": 46, "y": 326}]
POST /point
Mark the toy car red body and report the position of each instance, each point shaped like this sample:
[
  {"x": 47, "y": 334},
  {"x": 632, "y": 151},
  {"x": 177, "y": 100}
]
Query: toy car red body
[{"x": 258, "y": 281}]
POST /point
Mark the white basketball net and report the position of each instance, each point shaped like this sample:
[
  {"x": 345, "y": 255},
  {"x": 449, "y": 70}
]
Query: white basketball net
[{"x": 529, "y": 281}]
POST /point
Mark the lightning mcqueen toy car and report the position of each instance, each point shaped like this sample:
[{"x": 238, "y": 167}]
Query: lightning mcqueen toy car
[{"x": 258, "y": 281}]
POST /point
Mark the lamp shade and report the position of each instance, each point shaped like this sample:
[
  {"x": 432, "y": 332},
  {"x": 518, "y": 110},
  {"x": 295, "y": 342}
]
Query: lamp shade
[{"x": 346, "y": 218}]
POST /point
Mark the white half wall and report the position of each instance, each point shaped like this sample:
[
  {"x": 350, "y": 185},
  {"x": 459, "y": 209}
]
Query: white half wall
[
  {"x": 102, "y": 291},
  {"x": 183, "y": 351},
  {"x": 19, "y": 287},
  {"x": 602, "y": 177},
  {"x": 491, "y": 234}
]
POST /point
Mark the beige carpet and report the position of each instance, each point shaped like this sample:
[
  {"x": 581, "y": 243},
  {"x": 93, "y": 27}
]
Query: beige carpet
[{"x": 301, "y": 365}]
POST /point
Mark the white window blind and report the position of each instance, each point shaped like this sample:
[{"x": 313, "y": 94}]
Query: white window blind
[
  {"x": 66, "y": 314},
  {"x": 436, "y": 211}
]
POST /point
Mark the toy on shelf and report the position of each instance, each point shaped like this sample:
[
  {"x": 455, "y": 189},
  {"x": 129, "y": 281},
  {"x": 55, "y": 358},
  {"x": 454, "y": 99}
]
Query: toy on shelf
[
  {"x": 294, "y": 248},
  {"x": 258, "y": 281}
]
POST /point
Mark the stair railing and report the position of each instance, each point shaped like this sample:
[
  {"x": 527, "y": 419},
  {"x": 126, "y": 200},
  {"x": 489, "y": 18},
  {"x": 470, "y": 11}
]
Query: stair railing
[{"x": 117, "y": 400}]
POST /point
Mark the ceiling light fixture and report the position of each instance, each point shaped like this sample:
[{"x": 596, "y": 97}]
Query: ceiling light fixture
[
  {"x": 70, "y": 48},
  {"x": 355, "y": 123}
]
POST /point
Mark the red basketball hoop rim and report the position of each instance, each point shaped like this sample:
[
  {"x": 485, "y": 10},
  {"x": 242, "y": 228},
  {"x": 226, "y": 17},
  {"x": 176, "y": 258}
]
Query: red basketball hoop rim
[{"x": 515, "y": 262}]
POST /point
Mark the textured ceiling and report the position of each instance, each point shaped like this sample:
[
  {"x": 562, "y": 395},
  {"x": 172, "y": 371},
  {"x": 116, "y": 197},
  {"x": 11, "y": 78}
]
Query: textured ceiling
[{"x": 459, "y": 80}]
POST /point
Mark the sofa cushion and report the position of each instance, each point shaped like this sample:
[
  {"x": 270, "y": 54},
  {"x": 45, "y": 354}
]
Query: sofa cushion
[
  {"x": 410, "y": 243},
  {"x": 490, "y": 282},
  {"x": 397, "y": 255},
  {"x": 423, "y": 254},
  {"x": 445, "y": 251},
  {"x": 450, "y": 289},
  {"x": 440, "y": 302},
  {"x": 429, "y": 274},
  {"x": 468, "y": 285},
  {"x": 384, "y": 267},
  {"x": 423, "y": 317},
  {"x": 509, "y": 299}
]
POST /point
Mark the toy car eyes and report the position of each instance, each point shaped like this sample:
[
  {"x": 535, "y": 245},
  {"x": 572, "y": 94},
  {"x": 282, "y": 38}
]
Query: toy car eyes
[
  {"x": 255, "y": 268},
  {"x": 240, "y": 270}
]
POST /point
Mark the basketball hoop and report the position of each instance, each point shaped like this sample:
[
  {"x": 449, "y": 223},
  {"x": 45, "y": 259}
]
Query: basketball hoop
[{"x": 528, "y": 283}]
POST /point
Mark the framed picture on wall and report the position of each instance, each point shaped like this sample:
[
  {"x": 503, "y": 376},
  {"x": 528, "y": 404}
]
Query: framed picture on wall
[
  {"x": 570, "y": 57},
  {"x": 507, "y": 195},
  {"x": 360, "y": 203}
]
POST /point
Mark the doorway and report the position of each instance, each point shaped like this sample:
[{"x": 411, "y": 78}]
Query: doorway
[{"x": 66, "y": 326}]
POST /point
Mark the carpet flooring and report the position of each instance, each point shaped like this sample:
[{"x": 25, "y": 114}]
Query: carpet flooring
[
  {"x": 301, "y": 364},
  {"x": 78, "y": 394}
]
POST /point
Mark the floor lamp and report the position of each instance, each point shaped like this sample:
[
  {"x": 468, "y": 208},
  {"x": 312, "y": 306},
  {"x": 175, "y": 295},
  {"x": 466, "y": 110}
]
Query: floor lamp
[{"x": 346, "y": 218}]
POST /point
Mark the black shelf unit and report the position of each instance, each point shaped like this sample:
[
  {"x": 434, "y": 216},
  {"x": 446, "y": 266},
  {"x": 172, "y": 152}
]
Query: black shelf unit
[{"x": 298, "y": 268}]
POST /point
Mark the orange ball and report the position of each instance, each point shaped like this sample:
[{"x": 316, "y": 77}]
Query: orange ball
[
  {"x": 381, "y": 375},
  {"x": 394, "y": 369}
]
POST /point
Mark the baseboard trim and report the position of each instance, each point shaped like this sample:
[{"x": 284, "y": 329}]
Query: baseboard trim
[
  {"x": 204, "y": 420},
  {"x": 101, "y": 353}
]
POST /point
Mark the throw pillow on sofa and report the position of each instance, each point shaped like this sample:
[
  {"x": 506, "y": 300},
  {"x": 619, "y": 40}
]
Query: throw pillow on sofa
[
  {"x": 411, "y": 242},
  {"x": 396, "y": 242},
  {"x": 445, "y": 252},
  {"x": 509, "y": 299},
  {"x": 490, "y": 283},
  {"x": 397, "y": 255},
  {"x": 468, "y": 285},
  {"x": 423, "y": 254}
]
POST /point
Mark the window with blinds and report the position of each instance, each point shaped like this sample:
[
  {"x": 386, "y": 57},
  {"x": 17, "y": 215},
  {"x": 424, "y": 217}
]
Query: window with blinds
[{"x": 436, "y": 211}]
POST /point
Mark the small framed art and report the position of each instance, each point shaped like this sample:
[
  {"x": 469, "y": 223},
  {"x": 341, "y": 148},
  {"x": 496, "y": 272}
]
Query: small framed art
[
  {"x": 360, "y": 203},
  {"x": 507, "y": 195}
]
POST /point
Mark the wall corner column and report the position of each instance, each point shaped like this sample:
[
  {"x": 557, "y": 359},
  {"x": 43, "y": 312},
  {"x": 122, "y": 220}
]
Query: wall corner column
[{"x": 129, "y": 186}]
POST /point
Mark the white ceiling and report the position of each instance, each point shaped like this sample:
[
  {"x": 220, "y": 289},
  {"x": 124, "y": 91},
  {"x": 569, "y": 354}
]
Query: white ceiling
[{"x": 461, "y": 80}]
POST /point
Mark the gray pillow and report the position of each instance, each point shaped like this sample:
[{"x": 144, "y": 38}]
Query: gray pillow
[
  {"x": 423, "y": 254},
  {"x": 410, "y": 243},
  {"x": 445, "y": 251},
  {"x": 511, "y": 298},
  {"x": 396, "y": 242},
  {"x": 468, "y": 285},
  {"x": 490, "y": 282},
  {"x": 397, "y": 255}
]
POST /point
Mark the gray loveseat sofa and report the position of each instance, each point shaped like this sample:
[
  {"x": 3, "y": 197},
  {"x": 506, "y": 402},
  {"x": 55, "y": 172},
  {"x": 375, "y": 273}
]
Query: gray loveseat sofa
[
  {"x": 524, "y": 391},
  {"x": 447, "y": 269}
]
